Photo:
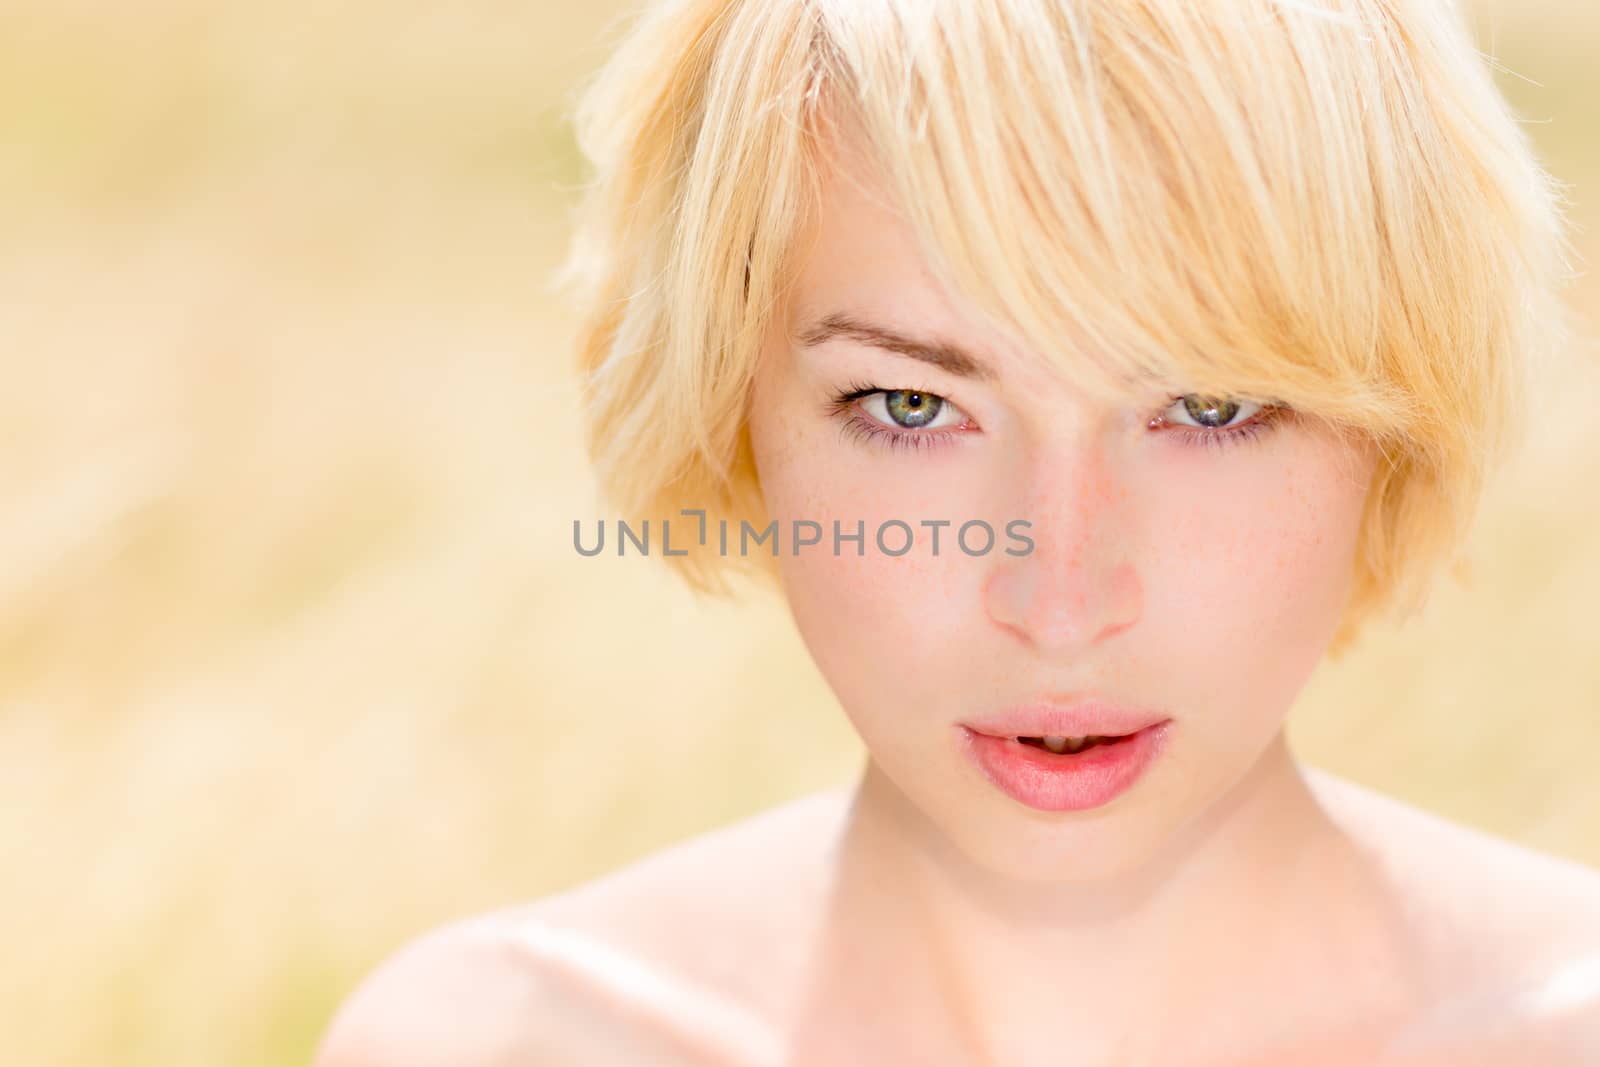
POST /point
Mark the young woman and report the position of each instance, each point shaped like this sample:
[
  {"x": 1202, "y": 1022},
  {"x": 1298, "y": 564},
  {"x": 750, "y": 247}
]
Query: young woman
[{"x": 1213, "y": 316}]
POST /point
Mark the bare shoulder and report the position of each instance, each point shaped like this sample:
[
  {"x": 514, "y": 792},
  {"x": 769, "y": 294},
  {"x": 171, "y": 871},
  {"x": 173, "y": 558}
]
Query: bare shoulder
[
  {"x": 725, "y": 911},
  {"x": 457, "y": 995},
  {"x": 1513, "y": 933},
  {"x": 676, "y": 959}
]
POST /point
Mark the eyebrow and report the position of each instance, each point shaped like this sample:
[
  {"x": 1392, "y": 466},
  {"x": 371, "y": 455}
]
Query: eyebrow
[{"x": 940, "y": 353}]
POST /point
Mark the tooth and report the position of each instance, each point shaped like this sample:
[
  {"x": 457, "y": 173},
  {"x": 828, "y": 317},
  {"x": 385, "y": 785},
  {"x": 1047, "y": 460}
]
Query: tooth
[
  {"x": 1057, "y": 745},
  {"x": 1075, "y": 743}
]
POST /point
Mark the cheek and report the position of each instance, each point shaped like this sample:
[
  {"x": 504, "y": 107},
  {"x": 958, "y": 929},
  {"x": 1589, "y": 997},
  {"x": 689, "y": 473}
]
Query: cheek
[
  {"x": 1250, "y": 582},
  {"x": 874, "y": 628},
  {"x": 870, "y": 619},
  {"x": 873, "y": 616}
]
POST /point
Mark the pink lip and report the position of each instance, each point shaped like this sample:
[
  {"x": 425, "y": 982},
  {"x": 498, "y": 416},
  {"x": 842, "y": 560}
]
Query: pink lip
[
  {"x": 1078, "y": 781},
  {"x": 1057, "y": 720}
]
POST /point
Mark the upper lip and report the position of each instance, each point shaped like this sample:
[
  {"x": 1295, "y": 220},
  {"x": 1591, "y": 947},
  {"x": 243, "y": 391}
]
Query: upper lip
[{"x": 1083, "y": 718}]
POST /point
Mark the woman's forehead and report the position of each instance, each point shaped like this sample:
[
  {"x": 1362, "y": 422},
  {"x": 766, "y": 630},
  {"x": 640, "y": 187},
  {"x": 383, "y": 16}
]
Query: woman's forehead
[
  {"x": 864, "y": 275},
  {"x": 861, "y": 243}
]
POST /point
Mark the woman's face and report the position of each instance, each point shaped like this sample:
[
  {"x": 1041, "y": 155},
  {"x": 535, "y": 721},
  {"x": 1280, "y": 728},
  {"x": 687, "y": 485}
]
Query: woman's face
[{"x": 1187, "y": 581}]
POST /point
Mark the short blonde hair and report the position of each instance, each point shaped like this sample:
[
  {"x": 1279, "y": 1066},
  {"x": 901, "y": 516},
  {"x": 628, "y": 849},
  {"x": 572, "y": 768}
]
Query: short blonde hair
[{"x": 1322, "y": 202}]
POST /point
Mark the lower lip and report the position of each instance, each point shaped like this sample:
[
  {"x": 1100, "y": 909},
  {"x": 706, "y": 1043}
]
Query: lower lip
[{"x": 1077, "y": 781}]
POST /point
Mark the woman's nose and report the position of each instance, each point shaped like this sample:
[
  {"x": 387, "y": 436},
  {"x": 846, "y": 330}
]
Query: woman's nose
[{"x": 1079, "y": 585}]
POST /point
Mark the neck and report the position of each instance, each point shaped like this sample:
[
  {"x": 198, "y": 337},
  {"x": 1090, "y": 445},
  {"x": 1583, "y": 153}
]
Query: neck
[{"x": 1256, "y": 891}]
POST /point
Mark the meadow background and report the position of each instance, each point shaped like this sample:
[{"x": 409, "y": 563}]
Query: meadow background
[{"x": 296, "y": 660}]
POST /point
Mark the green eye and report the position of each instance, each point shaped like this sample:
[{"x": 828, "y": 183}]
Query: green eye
[
  {"x": 910, "y": 409},
  {"x": 1209, "y": 412}
]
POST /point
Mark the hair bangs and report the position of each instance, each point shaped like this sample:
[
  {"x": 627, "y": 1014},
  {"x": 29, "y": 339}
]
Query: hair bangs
[{"x": 1146, "y": 193}]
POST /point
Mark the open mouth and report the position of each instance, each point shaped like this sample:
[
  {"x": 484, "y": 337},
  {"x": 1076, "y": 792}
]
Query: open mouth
[{"x": 1069, "y": 745}]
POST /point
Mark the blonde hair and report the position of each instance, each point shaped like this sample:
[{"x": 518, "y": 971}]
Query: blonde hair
[{"x": 1322, "y": 202}]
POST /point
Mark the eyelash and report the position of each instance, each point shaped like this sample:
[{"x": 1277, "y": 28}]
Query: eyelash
[
  {"x": 859, "y": 426},
  {"x": 1258, "y": 424},
  {"x": 864, "y": 428}
]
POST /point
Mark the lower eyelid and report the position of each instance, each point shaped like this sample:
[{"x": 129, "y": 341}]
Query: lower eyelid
[
  {"x": 874, "y": 432},
  {"x": 1262, "y": 422}
]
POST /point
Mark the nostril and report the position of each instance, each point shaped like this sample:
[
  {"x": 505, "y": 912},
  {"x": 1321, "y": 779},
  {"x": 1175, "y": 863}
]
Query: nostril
[{"x": 1065, "y": 604}]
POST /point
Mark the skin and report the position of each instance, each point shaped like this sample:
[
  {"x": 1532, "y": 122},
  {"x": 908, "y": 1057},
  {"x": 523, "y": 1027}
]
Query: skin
[
  {"x": 1202, "y": 583},
  {"x": 1233, "y": 909}
]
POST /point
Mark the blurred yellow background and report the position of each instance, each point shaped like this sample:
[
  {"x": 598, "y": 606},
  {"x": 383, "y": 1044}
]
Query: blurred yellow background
[{"x": 296, "y": 657}]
